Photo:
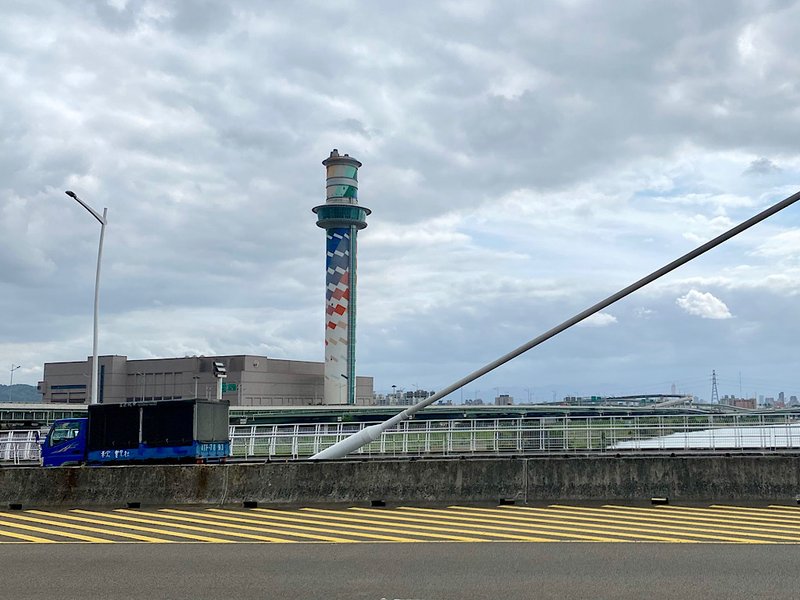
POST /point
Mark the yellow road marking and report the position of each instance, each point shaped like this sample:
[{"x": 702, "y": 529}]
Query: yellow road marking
[
  {"x": 718, "y": 518},
  {"x": 748, "y": 515},
  {"x": 559, "y": 525},
  {"x": 27, "y": 538},
  {"x": 566, "y": 524},
  {"x": 197, "y": 538},
  {"x": 58, "y": 523},
  {"x": 314, "y": 525},
  {"x": 156, "y": 521},
  {"x": 760, "y": 512},
  {"x": 280, "y": 515},
  {"x": 220, "y": 523},
  {"x": 795, "y": 509},
  {"x": 339, "y": 516},
  {"x": 73, "y": 536},
  {"x": 453, "y": 519},
  {"x": 290, "y": 527},
  {"x": 609, "y": 523},
  {"x": 611, "y": 515}
]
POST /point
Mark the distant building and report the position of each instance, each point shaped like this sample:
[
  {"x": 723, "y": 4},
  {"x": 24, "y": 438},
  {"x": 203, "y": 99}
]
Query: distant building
[
  {"x": 636, "y": 400},
  {"x": 744, "y": 403},
  {"x": 251, "y": 381},
  {"x": 504, "y": 400}
]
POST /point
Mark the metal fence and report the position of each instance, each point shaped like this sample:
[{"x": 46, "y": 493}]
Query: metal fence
[
  {"x": 19, "y": 447},
  {"x": 532, "y": 436},
  {"x": 764, "y": 432}
]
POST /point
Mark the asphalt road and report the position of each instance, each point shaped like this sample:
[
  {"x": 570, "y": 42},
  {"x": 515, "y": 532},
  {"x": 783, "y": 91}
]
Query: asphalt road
[{"x": 429, "y": 571}]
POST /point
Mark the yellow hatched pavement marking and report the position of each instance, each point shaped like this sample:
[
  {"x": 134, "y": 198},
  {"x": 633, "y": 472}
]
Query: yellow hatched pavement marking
[
  {"x": 155, "y": 520},
  {"x": 26, "y": 538},
  {"x": 491, "y": 525},
  {"x": 660, "y": 520},
  {"x": 377, "y": 519},
  {"x": 290, "y": 527},
  {"x": 782, "y": 515},
  {"x": 715, "y": 517},
  {"x": 197, "y": 538},
  {"x": 56, "y": 520},
  {"x": 795, "y": 509},
  {"x": 219, "y": 521},
  {"x": 266, "y": 515},
  {"x": 561, "y": 525},
  {"x": 750, "y": 515},
  {"x": 73, "y": 536}
]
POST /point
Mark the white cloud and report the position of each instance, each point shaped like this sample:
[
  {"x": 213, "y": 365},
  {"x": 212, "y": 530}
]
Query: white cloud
[
  {"x": 600, "y": 319},
  {"x": 783, "y": 245},
  {"x": 704, "y": 304}
]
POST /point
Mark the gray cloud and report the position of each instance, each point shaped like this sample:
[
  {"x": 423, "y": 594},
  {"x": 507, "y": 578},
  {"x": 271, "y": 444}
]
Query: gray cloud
[
  {"x": 513, "y": 178},
  {"x": 762, "y": 166}
]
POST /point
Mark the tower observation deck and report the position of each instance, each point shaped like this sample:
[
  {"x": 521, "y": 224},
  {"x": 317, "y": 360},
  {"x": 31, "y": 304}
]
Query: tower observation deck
[{"x": 341, "y": 217}]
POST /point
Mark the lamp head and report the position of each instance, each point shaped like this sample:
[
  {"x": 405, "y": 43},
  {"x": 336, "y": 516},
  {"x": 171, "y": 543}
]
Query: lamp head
[{"x": 71, "y": 194}]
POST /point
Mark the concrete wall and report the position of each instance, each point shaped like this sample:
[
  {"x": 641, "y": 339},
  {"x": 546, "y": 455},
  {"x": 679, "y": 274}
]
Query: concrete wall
[{"x": 736, "y": 478}]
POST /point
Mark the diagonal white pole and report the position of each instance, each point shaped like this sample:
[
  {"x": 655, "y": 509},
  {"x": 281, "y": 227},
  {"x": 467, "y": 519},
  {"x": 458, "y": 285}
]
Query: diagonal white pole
[{"x": 370, "y": 434}]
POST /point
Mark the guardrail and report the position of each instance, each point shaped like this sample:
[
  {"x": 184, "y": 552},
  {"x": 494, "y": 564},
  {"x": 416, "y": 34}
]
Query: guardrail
[
  {"x": 533, "y": 436},
  {"x": 19, "y": 447},
  {"x": 764, "y": 432}
]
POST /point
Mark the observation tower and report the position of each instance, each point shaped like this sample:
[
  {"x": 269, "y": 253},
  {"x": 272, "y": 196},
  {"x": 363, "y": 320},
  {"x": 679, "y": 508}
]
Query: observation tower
[{"x": 341, "y": 217}]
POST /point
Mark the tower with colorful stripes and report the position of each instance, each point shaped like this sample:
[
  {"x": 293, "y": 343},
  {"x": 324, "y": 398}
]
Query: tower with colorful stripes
[{"x": 341, "y": 217}]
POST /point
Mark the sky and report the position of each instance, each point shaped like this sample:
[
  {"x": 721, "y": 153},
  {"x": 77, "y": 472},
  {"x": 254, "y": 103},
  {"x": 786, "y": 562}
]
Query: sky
[{"x": 522, "y": 161}]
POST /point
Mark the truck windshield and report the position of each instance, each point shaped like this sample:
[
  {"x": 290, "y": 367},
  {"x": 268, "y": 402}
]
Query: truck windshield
[{"x": 64, "y": 431}]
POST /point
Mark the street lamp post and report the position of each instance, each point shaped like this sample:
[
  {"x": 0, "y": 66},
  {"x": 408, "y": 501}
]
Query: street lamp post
[
  {"x": 102, "y": 221},
  {"x": 11, "y": 380}
]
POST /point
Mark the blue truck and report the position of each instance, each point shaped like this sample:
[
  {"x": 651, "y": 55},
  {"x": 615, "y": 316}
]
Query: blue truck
[{"x": 164, "y": 431}]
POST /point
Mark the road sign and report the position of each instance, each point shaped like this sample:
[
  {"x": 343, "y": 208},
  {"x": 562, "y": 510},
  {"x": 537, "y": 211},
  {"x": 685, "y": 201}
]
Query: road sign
[{"x": 228, "y": 387}]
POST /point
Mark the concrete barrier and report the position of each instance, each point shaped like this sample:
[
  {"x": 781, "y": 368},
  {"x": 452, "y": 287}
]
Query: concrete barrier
[{"x": 422, "y": 481}]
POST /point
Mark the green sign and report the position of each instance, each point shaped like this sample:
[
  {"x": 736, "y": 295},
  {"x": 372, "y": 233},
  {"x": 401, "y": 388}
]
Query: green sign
[{"x": 228, "y": 387}]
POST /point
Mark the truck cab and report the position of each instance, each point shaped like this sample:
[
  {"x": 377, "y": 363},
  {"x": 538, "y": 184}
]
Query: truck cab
[{"x": 65, "y": 443}]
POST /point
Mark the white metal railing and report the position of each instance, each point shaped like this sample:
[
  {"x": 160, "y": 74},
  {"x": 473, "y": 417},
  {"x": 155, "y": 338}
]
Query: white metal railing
[
  {"x": 763, "y": 432},
  {"x": 19, "y": 447}
]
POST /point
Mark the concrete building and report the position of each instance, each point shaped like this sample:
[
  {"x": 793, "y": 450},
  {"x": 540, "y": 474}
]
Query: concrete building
[
  {"x": 749, "y": 403},
  {"x": 251, "y": 380},
  {"x": 504, "y": 400}
]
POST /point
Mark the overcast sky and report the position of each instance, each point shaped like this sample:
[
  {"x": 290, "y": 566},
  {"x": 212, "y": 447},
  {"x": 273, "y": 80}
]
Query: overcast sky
[{"x": 521, "y": 163}]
